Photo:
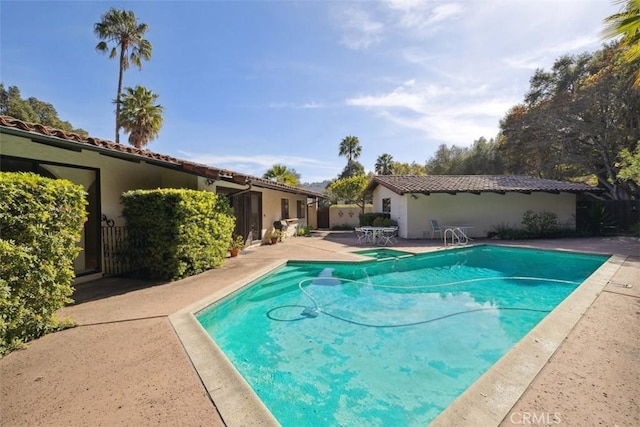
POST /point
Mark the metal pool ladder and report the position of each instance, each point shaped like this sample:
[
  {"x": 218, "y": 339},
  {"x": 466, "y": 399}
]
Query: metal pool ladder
[{"x": 458, "y": 237}]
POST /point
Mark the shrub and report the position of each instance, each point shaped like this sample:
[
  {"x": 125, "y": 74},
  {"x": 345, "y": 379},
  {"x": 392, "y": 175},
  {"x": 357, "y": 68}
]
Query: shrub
[
  {"x": 600, "y": 221},
  {"x": 342, "y": 227},
  {"x": 367, "y": 219},
  {"x": 176, "y": 233},
  {"x": 40, "y": 223},
  {"x": 507, "y": 232},
  {"x": 382, "y": 222},
  {"x": 305, "y": 230},
  {"x": 540, "y": 224}
]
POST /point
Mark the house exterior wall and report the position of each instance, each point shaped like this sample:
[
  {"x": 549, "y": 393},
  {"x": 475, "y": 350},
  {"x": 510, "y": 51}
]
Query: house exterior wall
[
  {"x": 116, "y": 175},
  {"x": 346, "y": 215},
  {"x": 271, "y": 208},
  {"x": 480, "y": 212},
  {"x": 399, "y": 208}
]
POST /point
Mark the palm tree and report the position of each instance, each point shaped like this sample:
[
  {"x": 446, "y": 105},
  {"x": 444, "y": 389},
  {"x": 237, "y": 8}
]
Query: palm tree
[
  {"x": 139, "y": 116},
  {"x": 384, "y": 164},
  {"x": 626, "y": 23},
  {"x": 121, "y": 28},
  {"x": 282, "y": 174},
  {"x": 350, "y": 148}
]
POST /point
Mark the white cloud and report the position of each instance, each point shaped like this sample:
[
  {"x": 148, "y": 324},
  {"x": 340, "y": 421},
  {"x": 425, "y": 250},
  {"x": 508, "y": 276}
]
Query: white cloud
[
  {"x": 421, "y": 15},
  {"x": 305, "y": 106},
  {"x": 538, "y": 58},
  {"x": 360, "y": 30},
  {"x": 453, "y": 116}
]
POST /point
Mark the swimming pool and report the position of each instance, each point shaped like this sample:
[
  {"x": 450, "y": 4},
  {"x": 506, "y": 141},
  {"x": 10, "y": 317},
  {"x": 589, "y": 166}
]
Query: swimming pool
[{"x": 391, "y": 342}]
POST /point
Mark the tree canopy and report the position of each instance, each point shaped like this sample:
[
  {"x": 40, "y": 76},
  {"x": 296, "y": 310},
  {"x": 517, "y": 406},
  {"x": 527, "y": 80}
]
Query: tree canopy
[
  {"x": 353, "y": 168},
  {"x": 575, "y": 122},
  {"x": 122, "y": 37},
  {"x": 31, "y": 110},
  {"x": 384, "y": 164},
  {"x": 140, "y": 116},
  {"x": 351, "y": 189},
  {"x": 482, "y": 158},
  {"x": 350, "y": 148},
  {"x": 626, "y": 23},
  {"x": 283, "y": 174}
]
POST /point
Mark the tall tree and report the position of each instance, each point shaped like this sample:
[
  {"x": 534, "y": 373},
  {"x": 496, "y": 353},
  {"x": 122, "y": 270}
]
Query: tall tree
[
  {"x": 353, "y": 168},
  {"x": 31, "y": 110},
  {"x": 575, "y": 121},
  {"x": 351, "y": 190},
  {"x": 283, "y": 174},
  {"x": 412, "y": 168},
  {"x": 626, "y": 23},
  {"x": 350, "y": 148},
  {"x": 120, "y": 28},
  {"x": 482, "y": 158},
  {"x": 140, "y": 116},
  {"x": 384, "y": 164},
  {"x": 446, "y": 161}
]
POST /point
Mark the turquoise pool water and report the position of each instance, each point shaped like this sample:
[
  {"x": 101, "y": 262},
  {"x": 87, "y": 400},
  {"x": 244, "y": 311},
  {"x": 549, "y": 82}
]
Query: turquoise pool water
[{"x": 384, "y": 343}]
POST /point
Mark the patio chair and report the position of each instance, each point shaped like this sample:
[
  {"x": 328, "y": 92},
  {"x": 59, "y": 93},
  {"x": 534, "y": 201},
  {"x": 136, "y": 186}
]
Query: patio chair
[
  {"x": 363, "y": 236},
  {"x": 435, "y": 228},
  {"x": 388, "y": 236}
]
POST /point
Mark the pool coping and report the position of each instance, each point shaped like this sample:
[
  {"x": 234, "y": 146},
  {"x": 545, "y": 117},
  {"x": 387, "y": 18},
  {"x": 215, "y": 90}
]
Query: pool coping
[{"x": 486, "y": 402}]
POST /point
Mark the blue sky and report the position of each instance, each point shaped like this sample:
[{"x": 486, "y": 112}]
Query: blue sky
[{"x": 247, "y": 84}]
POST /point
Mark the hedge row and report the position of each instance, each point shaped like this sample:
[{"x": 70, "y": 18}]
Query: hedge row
[
  {"x": 41, "y": 221},
  {"x": 367, "y": 219},
  {"x": 176, "y": 233}
]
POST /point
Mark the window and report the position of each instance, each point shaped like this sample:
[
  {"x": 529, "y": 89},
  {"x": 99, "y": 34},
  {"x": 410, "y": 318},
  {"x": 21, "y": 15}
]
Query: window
[
  {"x": 284, "y": 208},
  {"x": 300, "y": 207},
  {"x": 386, "y": 205}
]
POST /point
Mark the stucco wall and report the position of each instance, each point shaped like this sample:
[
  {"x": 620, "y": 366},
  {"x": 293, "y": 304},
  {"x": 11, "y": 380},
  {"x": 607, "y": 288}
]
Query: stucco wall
[
  {"x": 116, "y": 175},
  {"x": 271, "y": 207},
  {"x": 398, "y": 207},
  {"x": 346, "y": 215},
  {"x": 480, "y": 212}
]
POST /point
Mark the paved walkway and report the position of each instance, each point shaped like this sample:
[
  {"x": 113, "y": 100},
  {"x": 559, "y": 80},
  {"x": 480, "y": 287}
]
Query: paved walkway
[{"x": 124, "y": 364}]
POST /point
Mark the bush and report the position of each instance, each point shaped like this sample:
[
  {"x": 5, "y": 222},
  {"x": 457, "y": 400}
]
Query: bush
[
  {"x": 540, "y": 224},
  {"x": 383, "y": 222},
  {"x": 40, "y": 223},
  {"x": 367, "y": 219},
  {"x": 305, "y": 230},
  {"x": 342, "y": 227},
  {"x": 600, "y": 221},
  {"x": 174, "y": 233},
  {"x": 507, "y": 232}
]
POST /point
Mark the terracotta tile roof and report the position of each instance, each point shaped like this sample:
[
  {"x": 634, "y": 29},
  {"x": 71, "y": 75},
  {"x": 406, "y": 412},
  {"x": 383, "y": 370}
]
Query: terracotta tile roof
[
  {"x": 402, "y": 184},
  {"x": 119, "y": 150}
]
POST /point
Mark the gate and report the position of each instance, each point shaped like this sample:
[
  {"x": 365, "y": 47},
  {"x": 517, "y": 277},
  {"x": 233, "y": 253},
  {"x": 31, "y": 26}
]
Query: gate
[
  {"x": 323, "y": 217},
  {"x": 114, "y": 239}
]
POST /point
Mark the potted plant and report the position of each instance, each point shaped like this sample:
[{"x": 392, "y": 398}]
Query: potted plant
[
  {"x": 275, "y": 236},
  {"x": 237, "y": 244}
]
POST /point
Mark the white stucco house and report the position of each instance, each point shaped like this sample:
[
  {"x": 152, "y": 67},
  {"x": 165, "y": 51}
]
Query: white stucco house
[
  {"x": 479, "y": 202},
  {"x": 107, "y": 169}
]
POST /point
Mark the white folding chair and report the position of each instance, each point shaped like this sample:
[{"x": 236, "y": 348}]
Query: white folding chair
[
  {"x": 362, "y": 235},
  {"x": 435, "y": 228}
]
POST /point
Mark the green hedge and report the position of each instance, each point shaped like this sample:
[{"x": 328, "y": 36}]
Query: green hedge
[
  {"x": 176, "y": 233},
  {"x": 366, "y": 219},
  {"x": 40, "y": 222}
]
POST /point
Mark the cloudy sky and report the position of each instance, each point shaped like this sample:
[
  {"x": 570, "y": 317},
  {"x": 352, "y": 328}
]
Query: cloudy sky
[{"x": 247, "y": 84}]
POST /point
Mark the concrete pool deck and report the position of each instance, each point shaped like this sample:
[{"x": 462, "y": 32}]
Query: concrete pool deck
[{"x": 125, "y": 365}]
